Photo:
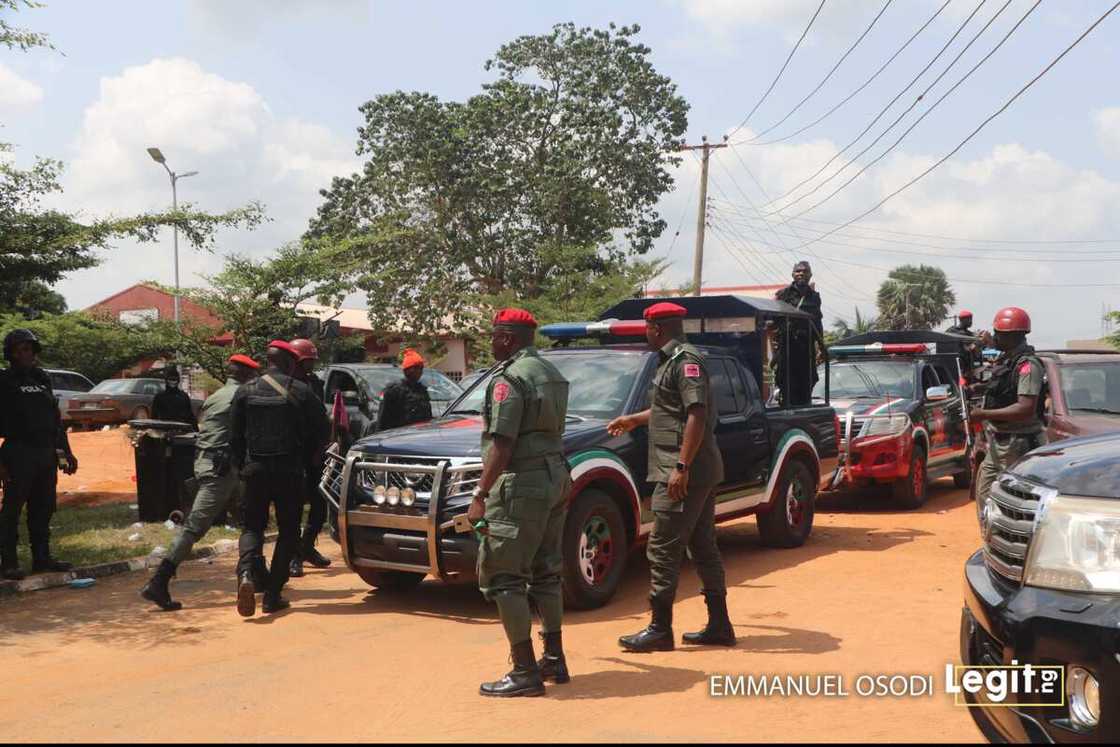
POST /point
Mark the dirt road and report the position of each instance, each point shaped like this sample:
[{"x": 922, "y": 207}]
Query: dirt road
[{"x": 874, "y": 591}]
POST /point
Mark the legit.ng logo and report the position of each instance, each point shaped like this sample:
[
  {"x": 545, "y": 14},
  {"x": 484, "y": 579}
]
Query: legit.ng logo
[{"x": 1006, "y": 685}]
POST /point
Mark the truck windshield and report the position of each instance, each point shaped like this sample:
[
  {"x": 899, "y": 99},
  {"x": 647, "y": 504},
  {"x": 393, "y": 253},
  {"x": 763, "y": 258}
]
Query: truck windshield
[
  {"x": 851, "y": 380},
  {"x": 440, "y": 388},
  {"x": 600, "y": 382},
  {"x": 1092, "y": 387}
]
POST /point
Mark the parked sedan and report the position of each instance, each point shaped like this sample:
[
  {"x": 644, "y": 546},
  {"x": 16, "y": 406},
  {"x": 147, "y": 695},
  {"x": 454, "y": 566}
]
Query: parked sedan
[
  {"x": 116, "y": 401},
  {"x": 65, "y": 385}
]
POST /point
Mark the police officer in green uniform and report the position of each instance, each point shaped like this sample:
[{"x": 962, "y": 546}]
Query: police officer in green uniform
[
  {"x": 685, "y": 464},
  {"x": 1011, "y": 409},
  {"x": 217, "y": 479},
  {"x": 520, "y": 502}
]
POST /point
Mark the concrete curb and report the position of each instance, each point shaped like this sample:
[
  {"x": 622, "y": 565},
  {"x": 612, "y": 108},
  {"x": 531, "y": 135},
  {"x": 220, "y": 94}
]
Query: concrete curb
[{"x": 54, "y": 580}]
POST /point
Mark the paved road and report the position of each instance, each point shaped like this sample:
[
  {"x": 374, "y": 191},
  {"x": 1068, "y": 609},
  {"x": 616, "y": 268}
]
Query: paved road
[{"x": 875, "y": 590}]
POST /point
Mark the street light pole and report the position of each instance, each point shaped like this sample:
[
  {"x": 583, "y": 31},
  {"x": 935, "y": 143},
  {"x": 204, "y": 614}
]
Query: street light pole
[{"x": 157, "y": 156}]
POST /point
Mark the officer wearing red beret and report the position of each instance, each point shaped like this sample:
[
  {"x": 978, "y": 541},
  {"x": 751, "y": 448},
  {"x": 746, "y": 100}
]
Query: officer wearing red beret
[
  {"x": 521, "y": 501},
  {"x": 217, "y": 478},
  {"x": 685, "y": 464}
]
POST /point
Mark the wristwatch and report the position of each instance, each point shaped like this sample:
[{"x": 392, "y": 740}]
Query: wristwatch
[{"x": 681, "y": 467}]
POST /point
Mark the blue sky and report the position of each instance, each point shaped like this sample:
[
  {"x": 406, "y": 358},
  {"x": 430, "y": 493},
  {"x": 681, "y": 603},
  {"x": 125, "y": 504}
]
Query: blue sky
[{"x": 261, "y": 97}]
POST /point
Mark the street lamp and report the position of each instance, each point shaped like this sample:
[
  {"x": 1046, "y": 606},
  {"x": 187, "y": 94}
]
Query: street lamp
[{"x": 157, "y": 156}]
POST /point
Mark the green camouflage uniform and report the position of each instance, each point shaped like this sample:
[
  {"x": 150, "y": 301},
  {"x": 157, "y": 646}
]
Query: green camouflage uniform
[
  {"x": 527, "y": 402},
  {"x": 680, "y": 382},
  {"x": 1016, "y": 373}
]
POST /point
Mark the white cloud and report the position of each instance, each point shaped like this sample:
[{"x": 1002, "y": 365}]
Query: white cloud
[
  {"x": 1107, "y": 122},
  {"x": 721, "y": 17},
  {"x": 201, "y": 121},
  {"x": 17, "y": 93}
]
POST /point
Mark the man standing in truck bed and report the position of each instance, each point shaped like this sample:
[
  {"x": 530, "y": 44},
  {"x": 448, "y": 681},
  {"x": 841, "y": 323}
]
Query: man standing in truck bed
[{"x": 520, "y": 502}]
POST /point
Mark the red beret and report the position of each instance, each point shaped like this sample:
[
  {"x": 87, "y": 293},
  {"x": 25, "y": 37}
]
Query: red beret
[
  {"x": 411, "y": 358},
  {"x": 516, "y": 317},
  {"x": 285, "y": 346},
  {"x": 965, "y": 314},
  {"x": 244, "y": 360},
  {"x": 665, "y": 310}
]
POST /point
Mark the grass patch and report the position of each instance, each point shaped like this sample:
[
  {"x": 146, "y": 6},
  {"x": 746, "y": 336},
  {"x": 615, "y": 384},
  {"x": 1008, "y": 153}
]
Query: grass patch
[{"x": 99, "y": 534}]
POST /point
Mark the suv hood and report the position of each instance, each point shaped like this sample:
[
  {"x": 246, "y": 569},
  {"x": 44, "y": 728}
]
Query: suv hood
[
  {"x": 878, "y": 406},
  {"x": 1077, "y": 466},
  {"x": 453, "y": 436}
]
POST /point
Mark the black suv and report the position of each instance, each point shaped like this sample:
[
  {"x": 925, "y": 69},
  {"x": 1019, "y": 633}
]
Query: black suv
[{"x": 1045, "y": 589}]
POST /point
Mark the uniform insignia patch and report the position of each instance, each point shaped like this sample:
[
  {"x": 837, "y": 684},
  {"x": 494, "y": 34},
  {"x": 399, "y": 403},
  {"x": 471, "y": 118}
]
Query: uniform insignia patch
[
  {"x": 692, "y": 370},
  {"x": 501, "y": 391},
  {"x": 1024, "y": 368}
]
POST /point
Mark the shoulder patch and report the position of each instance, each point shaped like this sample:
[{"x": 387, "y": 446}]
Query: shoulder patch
[
  {"x": 1024, "y": 368},
  {"x": 501, "y": 391},
  {"x": 692, "y": 370}
]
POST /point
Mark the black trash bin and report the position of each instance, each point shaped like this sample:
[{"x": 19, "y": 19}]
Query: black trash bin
[{"x": 164, "y": 467}]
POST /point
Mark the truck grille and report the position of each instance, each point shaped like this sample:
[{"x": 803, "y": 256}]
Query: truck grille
[
  {"x": 1007, "y": 522},
  {"x": 460, "y": 480}
]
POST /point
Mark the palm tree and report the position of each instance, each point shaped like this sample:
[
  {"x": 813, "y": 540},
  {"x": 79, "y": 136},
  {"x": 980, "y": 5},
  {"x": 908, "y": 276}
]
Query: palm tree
[
  {"x": 842, "y": 329},
  {"x": 914, "y": 298}
]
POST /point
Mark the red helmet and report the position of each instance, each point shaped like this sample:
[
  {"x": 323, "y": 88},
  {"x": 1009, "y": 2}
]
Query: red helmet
[
  {"x": 305, "y": 349},
  {"x": 1012, "y": 319},
  {"x": 964, "y": 314}
]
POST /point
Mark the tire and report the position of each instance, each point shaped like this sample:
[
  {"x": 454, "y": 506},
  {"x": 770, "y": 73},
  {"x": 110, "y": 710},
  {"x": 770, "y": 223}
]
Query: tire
[
  {"x": 789, "y": 520},
  {"x": 595, "y": 547},
  {"x": 393, "y": 581},
  {"x": 911, "y": 491}
]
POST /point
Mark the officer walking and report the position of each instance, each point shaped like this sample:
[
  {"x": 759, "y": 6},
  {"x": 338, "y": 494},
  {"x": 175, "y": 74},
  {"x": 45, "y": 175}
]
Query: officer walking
[
  {"x": 272, "y": 422},
  {"x": 217, "y": 479},
  {"x": 685, "y": 464},
  {"x": 406, "y": 401},
  {"x": 173, "y": 403},
  {"x": 35, "y": 448},
  {"x": 520, "y": 503},
  {"x": 1012, "y": 401},
  {"x": 317, "y": 516}
]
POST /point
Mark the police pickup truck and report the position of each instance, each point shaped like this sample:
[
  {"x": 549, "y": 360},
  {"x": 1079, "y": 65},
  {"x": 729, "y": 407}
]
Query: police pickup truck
[{"x": 398, "y": 492}]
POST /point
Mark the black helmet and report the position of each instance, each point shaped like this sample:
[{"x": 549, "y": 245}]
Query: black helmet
[{"x": 15, "y": 337}]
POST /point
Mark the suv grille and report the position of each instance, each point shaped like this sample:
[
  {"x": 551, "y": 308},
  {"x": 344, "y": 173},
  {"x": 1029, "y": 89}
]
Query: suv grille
[
  {"x": 1007, "y": 522},
  {"x": 460, "y": 481}
]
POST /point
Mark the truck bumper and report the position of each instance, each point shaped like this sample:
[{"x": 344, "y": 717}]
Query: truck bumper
[{"x": 1001, "y": 622}]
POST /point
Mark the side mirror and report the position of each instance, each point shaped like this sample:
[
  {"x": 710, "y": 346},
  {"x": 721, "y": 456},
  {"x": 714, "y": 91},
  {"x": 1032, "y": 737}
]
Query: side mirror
[
  {"x": 351, "y": 398},
  {"x": 939, "y": 393}
]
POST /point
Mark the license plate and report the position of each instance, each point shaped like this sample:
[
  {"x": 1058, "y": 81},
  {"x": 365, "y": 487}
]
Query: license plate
[{"x": 90, "y": 406}]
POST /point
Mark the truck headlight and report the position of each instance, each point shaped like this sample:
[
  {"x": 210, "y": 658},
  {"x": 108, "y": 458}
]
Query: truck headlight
[
  {"x": 1076, "y": 546},
  {"x": 1084, "y": 697},
  {"x": 379, "y": 494},
  {"x": 408, "y": 497},
  {"x": 885, "y": 426},
  {"x": 394, "y": 495}
]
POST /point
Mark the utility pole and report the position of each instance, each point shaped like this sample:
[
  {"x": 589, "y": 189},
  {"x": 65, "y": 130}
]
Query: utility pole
[
  {"x": 157, "y": 156},
  {"x": 705, "y": 149}
]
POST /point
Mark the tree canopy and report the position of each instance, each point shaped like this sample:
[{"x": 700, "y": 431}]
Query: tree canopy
[{"x": 914, "y": 297}]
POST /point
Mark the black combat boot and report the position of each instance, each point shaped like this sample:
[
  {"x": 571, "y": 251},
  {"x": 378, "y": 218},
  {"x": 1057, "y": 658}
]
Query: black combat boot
[
  {"x": 524, "y": 680},
  {"x": 553, "y": 665},
  {"x": 42, "y": 562},
  {"x": 718, "y": 631},
  {"x": 658, "y": 636},
  {"x": 9, "y": 565},
  {"x": 156, "y": 589},
  {"x": 246, "y": 595},
  {"x": 273, "y": 602},
  {"x": 308, "y": 552},
  {"x": 295, "y": 568}
]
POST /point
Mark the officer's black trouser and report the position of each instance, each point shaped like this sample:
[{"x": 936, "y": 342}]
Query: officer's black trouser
[
  {"x": 317, "y": 516},
  {"x": 271, "y": 481},
  {"x": 33, "y": 476}
]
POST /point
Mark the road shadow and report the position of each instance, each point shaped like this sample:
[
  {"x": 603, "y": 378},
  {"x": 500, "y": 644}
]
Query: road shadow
[
  {"x": 633, "y": 679},
  {"x": 942, "y": 496}
]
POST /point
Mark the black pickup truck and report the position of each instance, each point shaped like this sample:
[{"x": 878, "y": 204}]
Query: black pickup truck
[{"x": 398, "y": 492}]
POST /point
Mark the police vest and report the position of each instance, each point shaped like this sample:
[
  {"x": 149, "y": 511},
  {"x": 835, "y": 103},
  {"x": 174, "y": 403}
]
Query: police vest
[
  {"x": 1003, "y": 390},
  {"x": 31, "y": 415},
  {"x": 272, "y": 423}
]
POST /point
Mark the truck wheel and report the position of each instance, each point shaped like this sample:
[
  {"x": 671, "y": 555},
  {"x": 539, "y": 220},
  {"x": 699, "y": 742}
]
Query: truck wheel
[
  {"x": 910, "y": 492},
  {"x": 595, "y": 549},
  {"x": 789, "y": 520},
  {"x": 396, "y": 581}
]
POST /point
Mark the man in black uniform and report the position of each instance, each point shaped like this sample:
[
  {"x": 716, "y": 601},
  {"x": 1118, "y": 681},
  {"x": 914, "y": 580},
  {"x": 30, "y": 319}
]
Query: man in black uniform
[
  {"x": 271, "y": 423},
  {"x": 317, "y": 516},
  {"x": 801, "y": 295},
  {"x": 35, "y": 447},
  {"x": 407, "y": 401},
  {"x": 973, "y": 356},
  {"x": 173, "y": 403}
]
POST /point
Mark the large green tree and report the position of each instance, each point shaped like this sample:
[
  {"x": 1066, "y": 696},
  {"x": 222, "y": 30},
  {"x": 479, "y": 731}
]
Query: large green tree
[
  {"x": 914, "y": 297},
  {"x": 553, "y": 171},
  {"x": 842, "y": 329}
]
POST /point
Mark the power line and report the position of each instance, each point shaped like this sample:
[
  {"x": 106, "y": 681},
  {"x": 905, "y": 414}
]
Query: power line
[
  {"x": 854, "y": 93},
  {"x": 909, "y": 129},
  {"x": 777, "y": 77},
  {"x": 976, "y": 131},
  {"x": 886, "y": 108},
  {"x": 825, "y": 79}
]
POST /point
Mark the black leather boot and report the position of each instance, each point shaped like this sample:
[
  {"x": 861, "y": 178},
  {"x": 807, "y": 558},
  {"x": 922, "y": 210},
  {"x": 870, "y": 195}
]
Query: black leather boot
[
  {"x": 308, "y": 552},
  {"x": 719, "y": 631},
  {"x": 524, "y": 680},
  {"x": 658, "y": 636},
  {"x": 156, "y": 589},
  {"x": 9, "y": 566},
  {"x": 295, "y": 568},
  {"x": 273, "y": 602},
  {"x": 246, "y": 595},
  {"x": 42, "y": 562},
  {"x": 553, "y": 665}
]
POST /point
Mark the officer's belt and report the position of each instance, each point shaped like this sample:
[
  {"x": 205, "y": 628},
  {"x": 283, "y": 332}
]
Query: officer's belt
[{"x": 537, "y": 462}]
